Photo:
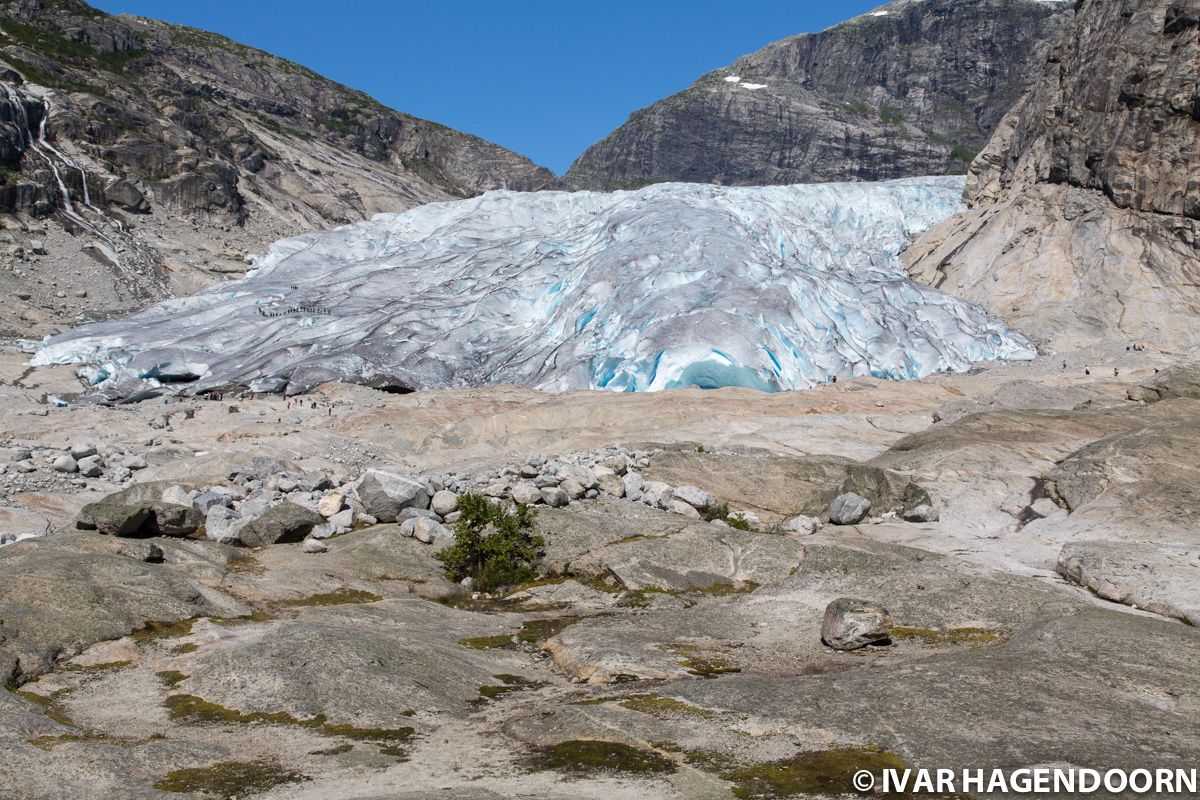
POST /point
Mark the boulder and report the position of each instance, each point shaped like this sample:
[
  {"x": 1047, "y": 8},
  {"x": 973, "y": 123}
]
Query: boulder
[
  {"x": 801, "y": 524},
  {"x": 138, "y": 520},
  {"x": 82, "y": 450},
  {"x": 583, "y": 476},
  {"x": 314, "y": 546},
  {"x": 686, "y": 509},
  {"x": 331, "y": 503},
  {"x": 694, "y": 496},
  {"x": 848, "y": 509},
  {"x": 611, "y": 484},
  {"x": 444, "y": 502},
  {"x": 428, "y": 531},
  {"x": 281, "y": 524},
  {"x": 177, "y": 495},
  {"x": 91, "y": 466},
  {"x": 170, "y": 519},
  {"x": 850, "y": 624},
  {"x": 343, "y": 520},
  {"x": 555, "y": 496},
  {"x": 525, "y": 492},
  {"x": 634, "y": 485},
  {"x": 384, "y": 495},
  {"x": 64, "y": 464},
  {"x": 210, "y": 499},
  {"x": 223, "y": 524},
  {"x": 573, "y": 488},
  {"x": 657, "y": 494}
]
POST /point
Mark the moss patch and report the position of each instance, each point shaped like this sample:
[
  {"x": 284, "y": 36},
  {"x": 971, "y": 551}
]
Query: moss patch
[
  {"x": 107, "y": 665},
  {"x": 229, "y": 779},
  {"x": 822, "y": 772},
  {"x": 154, "y": 630},
  {"x": 231, "y": 622},
  {"x": 336, "y": 598},
  {"x": 534, "y": 631},
  {"x": 171, "y": 678},
  {"x": 589, "y": 756},
  {"x": 697, "y": 662},
  {"x": 658, "y": 706},
  {"x": 970, "y": 637},
  {"x": 190, "y": 708},
  {"x": 509, "y": 683}
]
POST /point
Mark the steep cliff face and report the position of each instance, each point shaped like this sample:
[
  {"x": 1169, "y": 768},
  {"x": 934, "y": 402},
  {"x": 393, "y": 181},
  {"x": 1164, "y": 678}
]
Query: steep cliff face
[
  {"x": 140, "y": 159},
  {"x": 913, "y": 88},
  {"x": 1086, "y": 203}
]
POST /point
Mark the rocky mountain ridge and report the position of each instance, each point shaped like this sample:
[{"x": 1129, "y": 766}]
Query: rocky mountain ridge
[
  {"x": 166, "y": 154},
  {"x": 915, "y": 87},
  {"x": 1085, "y": 218}
]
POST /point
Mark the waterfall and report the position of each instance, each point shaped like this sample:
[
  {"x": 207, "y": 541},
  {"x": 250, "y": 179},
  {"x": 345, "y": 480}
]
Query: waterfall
[{"x": 53, "y": 156}]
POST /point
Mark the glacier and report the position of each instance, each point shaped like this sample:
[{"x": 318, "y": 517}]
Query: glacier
[{"x": 673, "y": 285}]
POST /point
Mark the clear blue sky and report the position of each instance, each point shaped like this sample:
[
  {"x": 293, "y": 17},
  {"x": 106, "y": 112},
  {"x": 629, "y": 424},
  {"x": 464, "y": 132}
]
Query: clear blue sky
[{"x": 545, "y": 78}]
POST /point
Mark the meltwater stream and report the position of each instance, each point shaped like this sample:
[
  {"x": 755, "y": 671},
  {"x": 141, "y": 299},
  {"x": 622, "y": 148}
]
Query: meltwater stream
[{"x": 673, "y": 285}]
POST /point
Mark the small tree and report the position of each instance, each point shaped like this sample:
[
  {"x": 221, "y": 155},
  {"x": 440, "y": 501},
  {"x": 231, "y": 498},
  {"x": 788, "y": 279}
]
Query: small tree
[{"x": 493, "y": 544}]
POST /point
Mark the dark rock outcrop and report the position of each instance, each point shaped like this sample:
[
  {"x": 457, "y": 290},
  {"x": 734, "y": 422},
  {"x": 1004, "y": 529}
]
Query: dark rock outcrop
[
  {"x": 1085, "y": 222},
  {"x": 914, "y": 88}
]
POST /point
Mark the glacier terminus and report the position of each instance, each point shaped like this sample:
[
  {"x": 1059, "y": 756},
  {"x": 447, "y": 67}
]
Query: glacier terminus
[{"x": 674, "y": 285}]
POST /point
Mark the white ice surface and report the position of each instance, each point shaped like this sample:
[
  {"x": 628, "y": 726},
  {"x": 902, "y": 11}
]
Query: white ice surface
[{"x": 672, "y": 285}]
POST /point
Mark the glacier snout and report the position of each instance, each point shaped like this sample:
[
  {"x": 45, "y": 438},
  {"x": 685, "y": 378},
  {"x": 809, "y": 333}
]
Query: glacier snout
[{"x": 771, "y": 288}]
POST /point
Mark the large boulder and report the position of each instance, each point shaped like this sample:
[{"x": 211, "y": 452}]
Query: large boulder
[
  {"x": 223, "y": 525},
  {"x": 139, "y": 519},
  {"x": 850, "y": 624},
  {"x": 848, "y": 509},
  {"x": 384, "y": 495},
  {"x": 281, "y": 524}
]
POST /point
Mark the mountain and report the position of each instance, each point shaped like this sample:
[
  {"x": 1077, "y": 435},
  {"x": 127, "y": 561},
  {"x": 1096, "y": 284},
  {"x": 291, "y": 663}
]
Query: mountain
[
  {"x": 1085, "y": 217},
  {"x": 915, "y": 87},
  {"x": 771, "y": 288},
  {"x": 141, "y": 159}
]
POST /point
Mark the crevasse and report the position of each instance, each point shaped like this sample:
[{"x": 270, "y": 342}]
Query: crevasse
[{"x": 770, "y": 288}]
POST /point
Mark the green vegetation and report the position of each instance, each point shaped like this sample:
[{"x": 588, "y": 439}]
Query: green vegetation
[
  {"x": 171, "y": 678},
  {"x": 342, "y": 120},
  {"x": 699, "y": 663},
  {"x": 190, "y": 708},
  {"x": 510, "y": 683},
  {"x": 964, "y": 154},
  {"x": 155, "y": 630},
  {"x": 860, "y": 108},
  {"x": 823, "y": 772},
  {"x": 722, "y": 513},
  {"x": 589, "y": 756},
  {"x": 229, "y": 779},
  {"x": 493, "y": 545},
  {"x": 658, "y": 706},
  {"x": 338, "y": 597},
  {"x": 51, "y": 43},
  {"x": 107, "y": 665},
  {"x": 972, "y": 637},
  {"x": 891, "y": 116},
  {"x": 534, "y": 631}
]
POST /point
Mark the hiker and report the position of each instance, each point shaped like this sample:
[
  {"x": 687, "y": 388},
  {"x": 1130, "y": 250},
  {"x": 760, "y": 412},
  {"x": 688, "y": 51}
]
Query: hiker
[
  {"x": 1087, "y": 371},
  {"x": 1115, "y": 373}
]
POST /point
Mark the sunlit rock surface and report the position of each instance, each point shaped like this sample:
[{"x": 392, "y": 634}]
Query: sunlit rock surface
[{"x": 674, "y": 285}]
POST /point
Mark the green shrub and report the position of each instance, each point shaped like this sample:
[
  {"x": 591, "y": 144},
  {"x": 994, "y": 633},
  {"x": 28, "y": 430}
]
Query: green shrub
[
  {"x": 493, "y": 544},
  {"x": 722, "y": 512}
]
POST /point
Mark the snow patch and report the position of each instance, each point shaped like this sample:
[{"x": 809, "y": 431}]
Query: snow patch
[
  {"x": 771, "y": 288},
  {"x": 753, "y": 86}
]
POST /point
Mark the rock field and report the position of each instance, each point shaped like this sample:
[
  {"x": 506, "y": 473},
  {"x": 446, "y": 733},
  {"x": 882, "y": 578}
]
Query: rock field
[{"x": 741, "y": 594}]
